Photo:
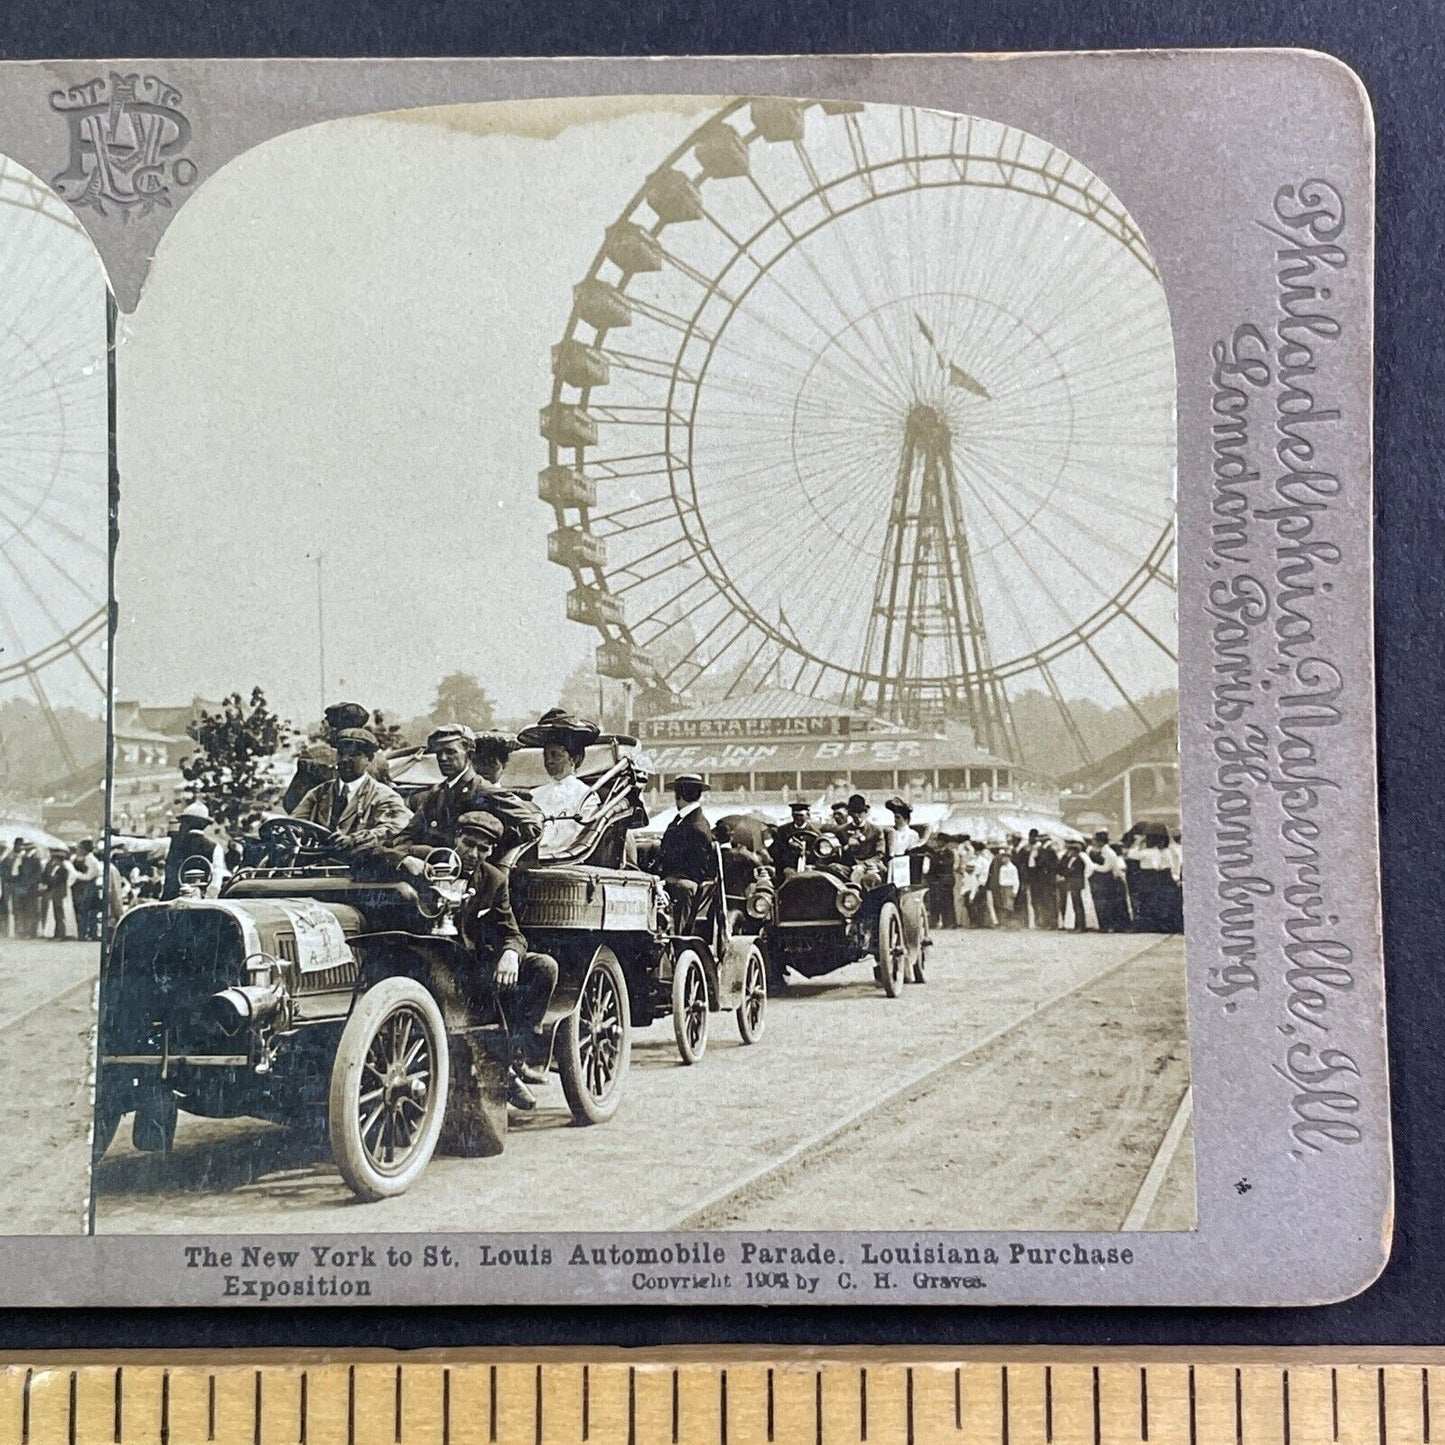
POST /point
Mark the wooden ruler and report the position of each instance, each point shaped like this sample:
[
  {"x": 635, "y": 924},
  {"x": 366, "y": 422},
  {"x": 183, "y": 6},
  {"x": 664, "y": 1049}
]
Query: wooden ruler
[{"x": 1307, "y": 1397}]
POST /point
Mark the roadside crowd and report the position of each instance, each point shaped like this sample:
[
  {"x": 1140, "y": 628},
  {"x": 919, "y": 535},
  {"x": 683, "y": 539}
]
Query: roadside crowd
[
  {"x": 1135, "y": 885},
  {"x": 56, "y": 892}
]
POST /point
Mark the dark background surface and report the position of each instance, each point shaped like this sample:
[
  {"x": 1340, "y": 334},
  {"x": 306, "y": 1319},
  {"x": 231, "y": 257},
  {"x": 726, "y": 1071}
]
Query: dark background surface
[{"x": 1396, "y": 49}]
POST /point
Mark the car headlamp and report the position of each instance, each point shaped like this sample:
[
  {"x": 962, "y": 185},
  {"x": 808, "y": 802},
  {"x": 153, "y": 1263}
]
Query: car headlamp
[
  {"x": 850, "y": 900},
  {"x": 758, "y": 902}
]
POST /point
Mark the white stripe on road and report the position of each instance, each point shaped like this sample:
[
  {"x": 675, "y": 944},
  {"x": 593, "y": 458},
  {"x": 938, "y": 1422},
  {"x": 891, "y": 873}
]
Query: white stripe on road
[{"x": 1154, "y": 1180}]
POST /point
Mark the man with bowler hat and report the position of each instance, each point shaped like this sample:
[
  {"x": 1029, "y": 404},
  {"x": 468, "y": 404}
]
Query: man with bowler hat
[{"x": 687, "y": 855}]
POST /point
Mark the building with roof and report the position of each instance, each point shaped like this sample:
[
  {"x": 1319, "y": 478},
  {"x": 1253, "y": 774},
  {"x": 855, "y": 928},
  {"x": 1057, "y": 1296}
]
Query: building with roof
[
  {"x": 773, "y": 745},
  {"x": 1136, "y": 783}
]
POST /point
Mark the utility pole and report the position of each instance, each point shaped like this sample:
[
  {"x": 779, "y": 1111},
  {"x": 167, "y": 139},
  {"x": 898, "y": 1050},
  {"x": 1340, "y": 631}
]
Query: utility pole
[{"x": 320, "y": 641}]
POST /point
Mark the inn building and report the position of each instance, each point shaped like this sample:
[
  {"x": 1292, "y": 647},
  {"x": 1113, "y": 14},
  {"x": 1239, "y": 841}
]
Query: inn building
[{"x": 774, "y": 745}]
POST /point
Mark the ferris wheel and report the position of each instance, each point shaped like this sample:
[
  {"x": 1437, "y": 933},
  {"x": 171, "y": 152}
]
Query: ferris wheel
[
  {"x": 873, "y": 403},
  {"x": 54, "y": 539}
]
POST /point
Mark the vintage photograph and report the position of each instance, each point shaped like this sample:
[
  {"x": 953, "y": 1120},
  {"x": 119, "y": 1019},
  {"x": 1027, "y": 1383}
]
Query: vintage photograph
[
  {"x": 55, "y": 895},
  {"x": 645, "y": 684}
]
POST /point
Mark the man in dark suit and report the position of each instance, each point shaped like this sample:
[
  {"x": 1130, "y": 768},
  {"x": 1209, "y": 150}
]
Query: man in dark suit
[
  {"x": 471, "y": 766},
  {"x": 796, "y": 838},
  {"x": 687, "y": 855},
  {"x": 523, "y": 981}
]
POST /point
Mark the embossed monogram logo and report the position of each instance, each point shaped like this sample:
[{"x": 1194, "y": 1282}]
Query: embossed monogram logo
[{"x": 127, "y": 144}]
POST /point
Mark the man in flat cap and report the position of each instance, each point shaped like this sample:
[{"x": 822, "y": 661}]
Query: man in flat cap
[
  {"x": 796, "y": 838},
  {"x": 687, "y": 855},
  {"x": 360, "y": 811},
  {"x": 316, "y": 761},
  {"x": 523, "y": 981},
  {"x": 566, "y": 802},
  {"x": 465, "y": 789}
]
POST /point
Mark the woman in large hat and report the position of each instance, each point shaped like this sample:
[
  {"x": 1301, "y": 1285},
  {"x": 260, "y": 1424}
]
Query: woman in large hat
[{"x": 566, "y": 802}]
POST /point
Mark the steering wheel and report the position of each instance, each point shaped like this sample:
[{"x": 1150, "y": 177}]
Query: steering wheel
[{"x": 288, "y": 841}]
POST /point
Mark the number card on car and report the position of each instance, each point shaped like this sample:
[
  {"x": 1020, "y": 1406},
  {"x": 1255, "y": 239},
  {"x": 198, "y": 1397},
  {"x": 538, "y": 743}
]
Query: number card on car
[{"x": 709, "y": 681}]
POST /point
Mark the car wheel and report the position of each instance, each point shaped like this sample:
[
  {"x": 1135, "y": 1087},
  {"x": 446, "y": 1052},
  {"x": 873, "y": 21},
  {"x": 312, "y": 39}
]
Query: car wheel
[
  {"x": 388, "y": 1089},
  {"x": 594, "y": 1044},
  {"x": 689, "y": 1006},
  {"x": 892, "y": 952},
  {"x": 753, "y": 1011}
]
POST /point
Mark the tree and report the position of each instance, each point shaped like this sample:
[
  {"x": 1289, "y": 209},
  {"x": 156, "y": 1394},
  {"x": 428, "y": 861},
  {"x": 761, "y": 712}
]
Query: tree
[
  {"x": 389, "y": 734},
  {"x": 227, "y": 771},
  {"x": 461, "y": 698}
]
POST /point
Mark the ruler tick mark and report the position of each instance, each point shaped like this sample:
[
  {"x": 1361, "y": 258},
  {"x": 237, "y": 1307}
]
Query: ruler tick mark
[
  {"x": 119, "y": 1401},
  {"x": 538, "y": 1412},
  {"x": 1098, "y": 1423},
  {"x": 1048, "y": 1405},
  {"x": 1238, "y": 1407},
  {"x": 1144, "y": 1404},
  {"x": 631, "y": 1405},
  {"x": 723, "y": 1404},
  {"x": 818, "y": 1407},
  {"x": 586, "y": 1402},
  {"x": 676, "y": 1405},
  {"x": 351, "y": 1406},
  {"x": 25, "y": 1410},
  {"x": 1193, "y": 1414},
  {"x": 211, "y": 1408},
  {"x": 165, "y": 1407},
  {"x": 1380, "y": 1390},
  {"x": 256, "y": 1427},
  {"x": 396, "y": 1409},
  {"x": 1334, "y": 1404},
  {"x": 301, "y": 1410},
  {"x": 1003, "y": 1400},
  {"x": 770, "y": 1411},
  {"x": 1284, "y": 1401},
  {"x": 863, "y": 1404},
  {"x": 74, "y": 1390},
  {"x": 908, "y": 1382},
  {"x": 1425, "y": 1405},
  {"x": 446, "y": 1407},
  {"x": 492, "y": 1404}
]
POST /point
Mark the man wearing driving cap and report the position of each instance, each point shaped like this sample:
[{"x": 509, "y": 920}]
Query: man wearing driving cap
[
  {"x": 687, "y": 854},
  {"x": 791, "y": 841},
  {"x": 522, "y": 980},
  {"x": 463, "y": 789},
  {"x": 360, "y": 811},
  {"x": 316, "y": 761}
]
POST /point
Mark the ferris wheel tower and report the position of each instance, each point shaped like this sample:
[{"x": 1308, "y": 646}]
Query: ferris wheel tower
[{"x": 874, "y": 403}]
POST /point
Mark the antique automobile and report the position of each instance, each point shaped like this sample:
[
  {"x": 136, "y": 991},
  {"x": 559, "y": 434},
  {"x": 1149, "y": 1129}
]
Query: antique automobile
[
  {"x": 818, "y": 914},
  {"x": 325, "y": 994},
  {"x": 593, "y": 892}
]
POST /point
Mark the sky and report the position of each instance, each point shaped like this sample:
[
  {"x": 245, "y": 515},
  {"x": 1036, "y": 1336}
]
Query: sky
[
  {"x": 345, "y": 339},
  {"x": 342, "y": 349}
]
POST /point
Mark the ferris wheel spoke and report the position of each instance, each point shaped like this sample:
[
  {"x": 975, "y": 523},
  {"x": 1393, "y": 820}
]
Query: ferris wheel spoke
[
  {"x": 1124, "y": 693},
  {"x": 1066, "y": 713}
]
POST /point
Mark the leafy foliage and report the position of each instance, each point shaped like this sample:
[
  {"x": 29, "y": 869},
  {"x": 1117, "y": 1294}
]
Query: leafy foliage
[
  {"x": 461, "y": 698},
  {"x": 228, "y": 772}
]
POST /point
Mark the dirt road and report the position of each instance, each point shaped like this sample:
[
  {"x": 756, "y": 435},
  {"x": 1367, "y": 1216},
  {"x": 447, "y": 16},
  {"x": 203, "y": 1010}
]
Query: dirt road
[
  {"x": 46, "y": 1045},
  {"x": 1030, "y": 1083}
]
